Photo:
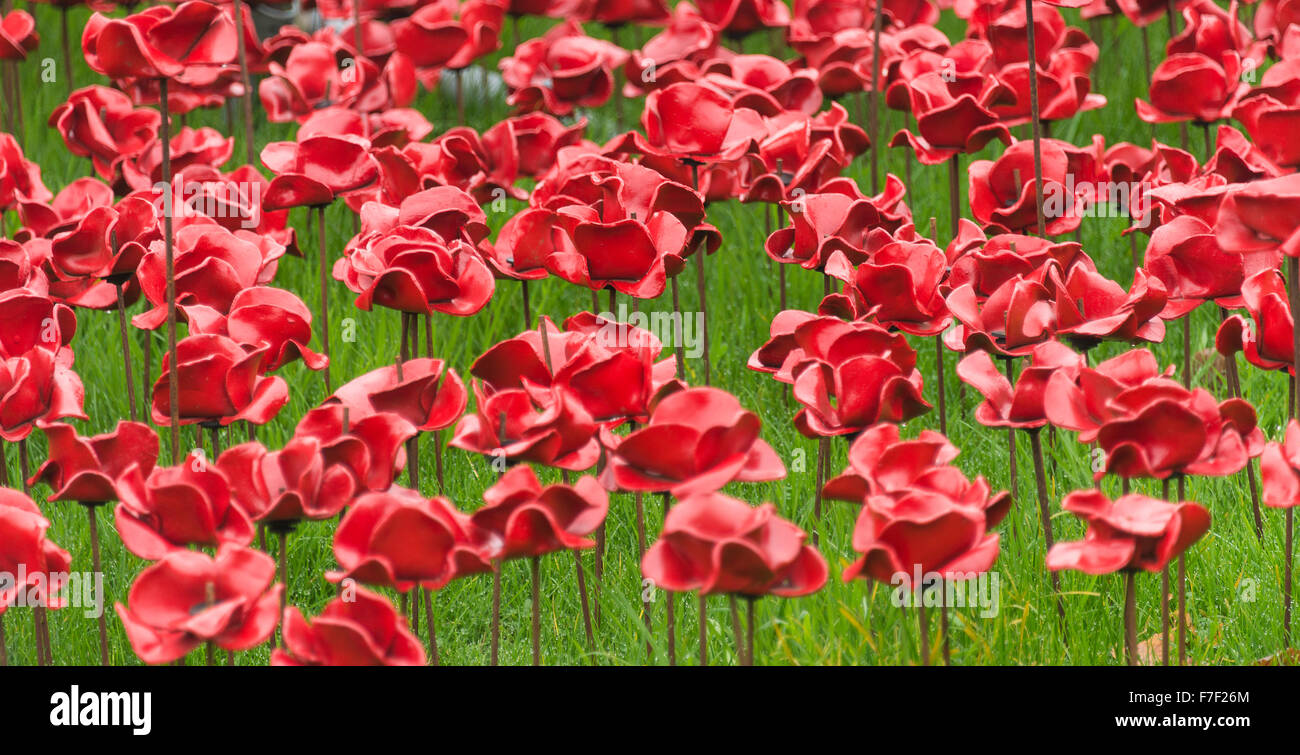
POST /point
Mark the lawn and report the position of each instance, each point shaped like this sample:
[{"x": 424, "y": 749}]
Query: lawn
[{"x": 1234, "y": 581}]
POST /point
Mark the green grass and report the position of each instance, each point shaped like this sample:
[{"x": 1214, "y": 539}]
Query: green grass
[{"x": 843, "y": 623}]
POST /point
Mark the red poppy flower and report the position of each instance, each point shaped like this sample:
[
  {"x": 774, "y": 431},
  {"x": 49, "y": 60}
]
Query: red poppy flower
[
  {"x": 212, "y": 267},
  {"x": 86, "y": 469},
  {"x": 1127, "y": 163},
  {"x": 33, "y": 321},
  {"x": 921, "y": 532},
  {"x": 445, "y": 33},
  {"x": 1213, "y": 31},
  {"x": 20, "y": 179},
  {"x": 898, "y": 286},
  {"x": 1090, "y": 308},
  {"x": 843, "y": 60},
  {"x": 277, "y": 47},
  {"x": 816, "y": 19},
  {"x": 881, "y": 462},
  {"x": 926, "y": 517},
  {"x": 159, "y": 42},
  {"x": 690, "y": 121},
  {"x": 951, "y": 122},
  {"x": 67, "y": 210},
  {"x": 400, "y": 539},
  {"x": 103, "y": 124},
  {"x": 913, "y": 14},
  {"x": 618, "y": 190},
  {"x": 22, "y": 263},
  {"x": 17, "y": 35},
  {"x": 522, "y": 519},
  {"x": 190, "y": 148},
  {"x": 1185, "y": 257},
  {"x": 460, "y": 158},
  {"x": 312, "y": 77},
  {"x": 431, "y": 36},
  {"x": 1005, "y": 27},
  {"x": 395, "y": 127},
  {"x": 220, "y": 382},
  {"x": 673, "y": 54},
  {"x": 445, "y": 210},
  {"x": 1192, "y": 86},
  {"x": 791, "y": 163},
  {"x": 99, "y": 251},
  {"x": 233, "y": 201},
  {"x": 1261, "y": 215},
  {"x": 523, "y": 361},
  {"x": 717, "y": 544},
  {"x": 1272, "y": 126},
  {"x": 367, "y": 9},
  {"x": 608, "y": 368},
  {"x": 71, "y": 210},
  {"x": 523, "y": 244},
  {"x": 424, "y": 392},
  {"x": 1142, "y": 12},
  {"x": 831, "y": 225},
  {"x": 28, "y": 551},
  {"x": 37, "y": 386},
  {"x": 987, "y": 263},
  {"x": 316, "y": 170},
  {"x": 1158, "y": 428},
  {"x": 264, "y": 316},
  {"x": 413, "y": 269},
  {"x": 697, "y": 441},
  {"x": 546, "y": 427},
  {"x": 86, "y": 293},
  {"x": 848, "y": 139},
  {"x": 795, "y": 333},
  {"x": 483, "y": 20},
  {"x": 1081, "y": 401},
  {"x": 1131, "y": 532},
  {"x": 1267, "y": 338},
  {"x": 365, "y": 630},
  {"x": 198, "y": 86},
  {"x": 288, "y": 485},
  {"x": 1021, "y": 406},
  {"x": 737, "y": 18},
  {"x": 1063, "y": 84},
  {"x": 372, "y": 449},
  {"x": 1199, "y": 196},
  {"x": 1015, "y": 318},
  {"x": 614, "y": 375},
  {"x": 531, "y": 141},
  {"x": 18, "y": 269},
  {"x": 1239, "y": 160},
  {"x": 834, "y": 124},
  {"x": 965, "y": 64},
  {"x": 169, "y": 508},
  {"x": 457, "y": 158},
  {"x": 189, "y": 598},
  {"x": 618, "y": 12},
  {"x": 561, "y": 70},
  {"x": 1278, "y": 469},
  {"x": 1002, "y": 191},
  {"x": 1272, "y": 22},
  {"x": 626, "y": 255},
  {"x": 764, "y": 84}
]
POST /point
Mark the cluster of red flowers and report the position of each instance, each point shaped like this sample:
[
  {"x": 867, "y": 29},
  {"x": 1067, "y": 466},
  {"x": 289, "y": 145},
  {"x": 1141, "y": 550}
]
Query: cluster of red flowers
[{"x": 160, "y": 218}]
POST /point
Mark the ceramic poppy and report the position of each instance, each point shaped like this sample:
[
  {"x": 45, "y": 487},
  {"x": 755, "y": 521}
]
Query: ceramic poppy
[
  {"x": 1131, "y": 532},
  {"x": 190, "y": 598}
]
